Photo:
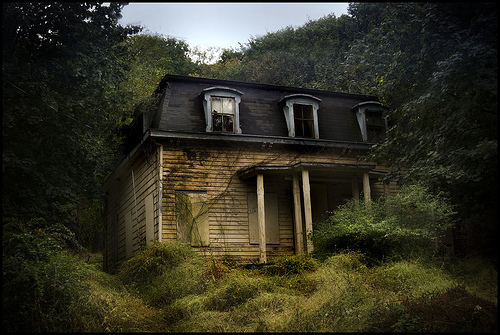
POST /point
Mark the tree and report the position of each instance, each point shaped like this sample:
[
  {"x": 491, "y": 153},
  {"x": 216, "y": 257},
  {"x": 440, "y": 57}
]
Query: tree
[
  {"x": 60, "y": 74},
  {"x": 228, "y": 66},
  {"x": 437, "y": 69},
  {"x": 435, "y": 65},
  {"x": 307, "y": 56},
  {"x": 149, "y": 58}
]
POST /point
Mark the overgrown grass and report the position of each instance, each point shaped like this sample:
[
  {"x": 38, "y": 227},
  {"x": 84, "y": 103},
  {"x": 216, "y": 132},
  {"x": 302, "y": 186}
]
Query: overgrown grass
[
  {"x": 343, "y": 293},
  {"x": 168, "y": 287}
]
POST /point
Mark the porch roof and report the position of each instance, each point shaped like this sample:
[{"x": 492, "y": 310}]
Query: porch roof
[{"x": 343, "y": 169}]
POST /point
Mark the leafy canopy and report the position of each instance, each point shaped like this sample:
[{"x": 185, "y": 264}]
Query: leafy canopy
[
  {"x": 60, "y": 105},
  {"x": 435, "y": 65}
]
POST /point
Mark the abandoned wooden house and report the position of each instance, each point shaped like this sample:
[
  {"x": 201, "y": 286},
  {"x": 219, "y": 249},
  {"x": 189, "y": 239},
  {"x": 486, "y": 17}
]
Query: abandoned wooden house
[{"x": 239, "y": 170}]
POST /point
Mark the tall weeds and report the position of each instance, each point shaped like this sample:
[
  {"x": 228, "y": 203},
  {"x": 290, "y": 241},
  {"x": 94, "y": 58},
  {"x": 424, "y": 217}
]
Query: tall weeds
[{"x": 168, "y": 287}]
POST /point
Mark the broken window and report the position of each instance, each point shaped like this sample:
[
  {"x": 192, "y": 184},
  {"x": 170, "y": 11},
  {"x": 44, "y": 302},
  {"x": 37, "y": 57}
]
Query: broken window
[
  {"x": 192, "y": 217},
  {"x": 221, "y": 108},
  {"x": 223, "y": 114}
]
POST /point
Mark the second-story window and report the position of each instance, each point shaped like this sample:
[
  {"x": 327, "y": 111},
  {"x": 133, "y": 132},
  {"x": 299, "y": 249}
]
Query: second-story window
[
  {"x": 372, "y": 123},
  {"x": 223, "y": 114},
  {"x": 221, "y": 107},
  {"x": 303, "y": 118},
  {"x": 375, "y": 126},
  {"x": 301, "y": 115}
]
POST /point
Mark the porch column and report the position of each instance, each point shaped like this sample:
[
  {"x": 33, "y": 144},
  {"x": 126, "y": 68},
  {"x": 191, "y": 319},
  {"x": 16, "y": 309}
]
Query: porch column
[
  {"x": 261, "y": 215},
  {"x": 306, "y": 189},
  {"x": 366, "y": 187},
  {"x": 299, "y": 234},
  {"x": 355, "y": 189}
]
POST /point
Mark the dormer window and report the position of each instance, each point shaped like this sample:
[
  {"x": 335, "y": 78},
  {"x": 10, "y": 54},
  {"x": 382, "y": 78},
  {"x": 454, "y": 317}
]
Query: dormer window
[
  {"x": 372, "y": 123},
  {"x": 222, "y": 114},
  {"x": 301, "y": 114},
  {"x": 221, "y": 107}
]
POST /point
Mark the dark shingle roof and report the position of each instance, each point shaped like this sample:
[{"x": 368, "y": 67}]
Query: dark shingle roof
[{"x": 261, "y": 112}]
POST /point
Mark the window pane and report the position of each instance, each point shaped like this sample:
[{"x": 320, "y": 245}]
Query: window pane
[
  {"x": 222, "y": 123},
  {"x": 227, "y": 123},
  {"x": 217, "y": 122},
  {"x": 375, "y": 129},
  {"x": 304, "y": 121},
  {"x": 222, "y": 105},
  {"x": 216, "y": 104},
  {"x": 228, "y": 106},
  {"x": 374, "y": 134},
  {"x": 308, "y": 128},
  {"x": 302, "y": 112},
  {"x": 373, "y": 119}
]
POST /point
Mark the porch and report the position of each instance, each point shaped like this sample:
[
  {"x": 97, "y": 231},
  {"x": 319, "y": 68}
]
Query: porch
[{"x": 317, "y": 188}]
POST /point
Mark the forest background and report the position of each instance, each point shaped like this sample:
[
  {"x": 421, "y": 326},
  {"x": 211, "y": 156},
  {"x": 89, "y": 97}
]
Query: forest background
[{"x": 73, "y": 79}]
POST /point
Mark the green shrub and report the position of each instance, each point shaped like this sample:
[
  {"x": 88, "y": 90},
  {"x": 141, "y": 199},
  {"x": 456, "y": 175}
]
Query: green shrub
[
  {"x": 48, "y": 288},
  {"x": 152, "y": 261},
  {"x": 166, "y": 271},
  {"x": 400, "y": 226}
]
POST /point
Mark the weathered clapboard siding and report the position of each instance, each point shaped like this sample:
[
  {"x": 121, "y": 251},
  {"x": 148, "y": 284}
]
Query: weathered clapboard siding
[
  {"x": 132, "y": 197},
  {"x": 212, "y": 167}
]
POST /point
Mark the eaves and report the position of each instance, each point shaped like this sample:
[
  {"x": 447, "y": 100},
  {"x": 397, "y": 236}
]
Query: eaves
[{"x": 246, "y": 138}]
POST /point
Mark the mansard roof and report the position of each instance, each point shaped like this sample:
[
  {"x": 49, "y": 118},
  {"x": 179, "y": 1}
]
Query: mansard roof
[{"x": 260, "y": 110}]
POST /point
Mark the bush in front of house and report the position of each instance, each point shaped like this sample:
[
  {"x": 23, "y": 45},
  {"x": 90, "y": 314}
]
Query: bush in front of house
[
  {"x": 158, "y": 262},
  {"x": 408, "y": 224}
]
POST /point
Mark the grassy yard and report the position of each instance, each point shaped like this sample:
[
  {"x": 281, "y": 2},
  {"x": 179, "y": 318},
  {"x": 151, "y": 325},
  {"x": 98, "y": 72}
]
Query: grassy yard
[{"x": 169, "y": 288}]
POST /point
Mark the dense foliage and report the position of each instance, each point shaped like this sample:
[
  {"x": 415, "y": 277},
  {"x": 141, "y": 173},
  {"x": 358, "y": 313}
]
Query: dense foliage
[
  {"x": 307, "y": 56},
  {"x": 436, "y": 66},
  {"x": 39, "y": 277},
  {"x": 60, "y": 109},
  {"x": 148, "y": 59},
  {"x": 409, "y": 224}
]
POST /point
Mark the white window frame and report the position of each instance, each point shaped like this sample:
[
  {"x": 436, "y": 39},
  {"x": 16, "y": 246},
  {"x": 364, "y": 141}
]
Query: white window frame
[
  {"x": 301, "y": 99},
  {"x": 372, "y": 106},
  {"x": 223, "y": 92}
]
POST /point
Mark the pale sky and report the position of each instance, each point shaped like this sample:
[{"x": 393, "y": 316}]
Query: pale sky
[{"x": 224, "y": 25}]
